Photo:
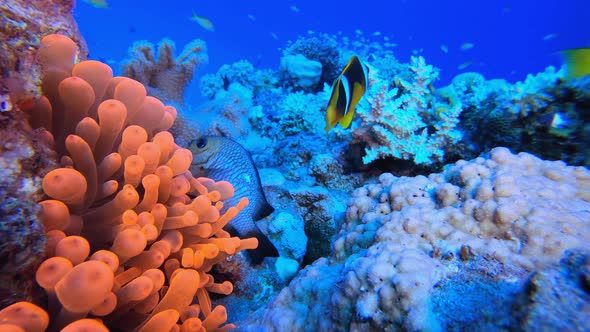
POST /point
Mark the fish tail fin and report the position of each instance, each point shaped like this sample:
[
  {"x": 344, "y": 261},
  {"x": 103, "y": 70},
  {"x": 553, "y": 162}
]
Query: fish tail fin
[{"x": 265, "y": 248}]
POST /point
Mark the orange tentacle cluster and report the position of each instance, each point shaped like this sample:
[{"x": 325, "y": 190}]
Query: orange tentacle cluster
[{"x": 132, "y": 235}]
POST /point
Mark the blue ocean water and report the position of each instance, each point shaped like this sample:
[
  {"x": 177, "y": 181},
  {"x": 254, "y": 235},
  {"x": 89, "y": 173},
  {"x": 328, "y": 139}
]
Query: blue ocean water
[{"x": 499, "y": 39}]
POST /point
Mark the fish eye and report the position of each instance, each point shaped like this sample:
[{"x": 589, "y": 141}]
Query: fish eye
[{"x": 201, "y": 142}]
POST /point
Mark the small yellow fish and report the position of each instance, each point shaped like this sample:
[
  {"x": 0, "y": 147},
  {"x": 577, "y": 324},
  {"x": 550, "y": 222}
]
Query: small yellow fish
[
  {"x": 577, "y": 62},
  {"x": 444, "y": 48},
  {"x": 466, "y": 46},
  {"x": 98, "y": 3},
  {"x": 464, "y": 65},
  {"x": 203, "y": 22},
  {"x": 549, "y": 36},
  {"x": 347, "y": 91}
]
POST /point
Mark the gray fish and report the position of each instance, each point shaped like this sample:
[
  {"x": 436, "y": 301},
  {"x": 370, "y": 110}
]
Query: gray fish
[{"x": 221, "y": 158}]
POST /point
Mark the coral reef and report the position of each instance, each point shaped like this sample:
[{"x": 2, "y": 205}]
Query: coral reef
[
  {"x": 544, "y": 114},
  {"x": 21, "y": 25},
  {"x": 403, "y": 117},
  {"x": 403, "y": 238},
  {"x": 165, "y": 76},
  {"x": 403, "y": 123},
  {"x": 131, "y": 235},
  {"x": 241, "y": 72}
]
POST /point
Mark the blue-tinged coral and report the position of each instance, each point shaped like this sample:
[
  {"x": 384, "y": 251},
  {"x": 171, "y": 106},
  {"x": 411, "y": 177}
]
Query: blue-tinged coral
[
  {"x": 300, "y": 73},
  {"x": 543, "y": 114},
  {"x": 317, "y": 205},
  {"x": 558, "y": 297},
  {"x": 531, "y": 95},
  {"x": 165, "y": 75},
  {"x": 322, "y": 48},
  {"x": 299, "y": 113},
  {"x": 241, "y": 72},
  {"x": 230, "y": 113}
]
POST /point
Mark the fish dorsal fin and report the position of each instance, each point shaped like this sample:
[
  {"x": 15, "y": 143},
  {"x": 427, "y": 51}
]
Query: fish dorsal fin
[{"x": 350, "y": 64}]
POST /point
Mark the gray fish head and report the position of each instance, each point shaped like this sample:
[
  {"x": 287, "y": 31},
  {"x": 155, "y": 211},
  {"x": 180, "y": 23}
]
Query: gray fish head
[{"x": 204, "y": 150}]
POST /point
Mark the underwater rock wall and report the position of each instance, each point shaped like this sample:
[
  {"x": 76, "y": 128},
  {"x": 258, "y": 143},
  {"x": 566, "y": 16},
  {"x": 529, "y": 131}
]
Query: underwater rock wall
[
  {"x": 25, "y": 156},
  {"x": 24, "y": 159},
  {"x": 22, "y": 25}
]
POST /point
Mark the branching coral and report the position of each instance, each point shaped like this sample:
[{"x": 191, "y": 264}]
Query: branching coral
[
  {"x": 165, "y": 77},
  {"x": 230, "y": 113},
  {"x": 131, "y": 234},
  {"x": 403, "y": 122}
]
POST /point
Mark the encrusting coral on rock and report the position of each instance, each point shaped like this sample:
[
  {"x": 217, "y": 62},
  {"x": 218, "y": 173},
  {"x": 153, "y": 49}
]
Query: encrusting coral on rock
[{"x": 131, "y": 234}]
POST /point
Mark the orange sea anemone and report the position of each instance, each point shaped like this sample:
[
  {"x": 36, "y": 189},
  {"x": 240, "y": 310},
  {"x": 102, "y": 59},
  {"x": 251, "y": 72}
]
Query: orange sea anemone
[{"x": 132, "y": 235}]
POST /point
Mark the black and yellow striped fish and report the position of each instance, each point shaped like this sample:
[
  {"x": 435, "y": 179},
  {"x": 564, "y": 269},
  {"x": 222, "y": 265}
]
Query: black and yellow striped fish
[{"x": 347, "y": 91}]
